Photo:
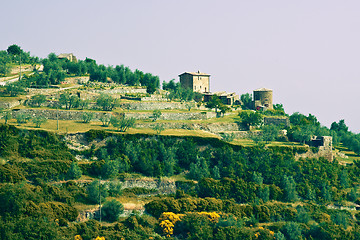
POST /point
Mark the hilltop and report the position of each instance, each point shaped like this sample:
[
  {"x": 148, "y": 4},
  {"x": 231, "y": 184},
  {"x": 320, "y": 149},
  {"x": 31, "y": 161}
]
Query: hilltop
[{"x": 165, "y": 163}]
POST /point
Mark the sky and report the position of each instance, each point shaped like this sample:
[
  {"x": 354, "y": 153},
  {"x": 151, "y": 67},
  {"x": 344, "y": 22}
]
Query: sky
[{"x": 307, "y": 52}]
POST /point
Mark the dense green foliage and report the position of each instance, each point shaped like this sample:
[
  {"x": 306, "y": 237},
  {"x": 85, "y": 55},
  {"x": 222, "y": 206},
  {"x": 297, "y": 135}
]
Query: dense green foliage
[
  {"x": 256, "y": 191},
  {"x": 55, "y": 70},
  {"x": 179, "y": 93}
]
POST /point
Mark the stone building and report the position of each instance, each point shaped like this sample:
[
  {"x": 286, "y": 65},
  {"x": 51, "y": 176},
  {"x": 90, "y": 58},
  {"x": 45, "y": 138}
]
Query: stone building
[
  {"x": 324, "y": 144},
  {"x": 263, "y": 99},
  {"x": 69, "y": 56},
  {"x": 197, "y": 81},
  {"x": 226, "y": 98}
]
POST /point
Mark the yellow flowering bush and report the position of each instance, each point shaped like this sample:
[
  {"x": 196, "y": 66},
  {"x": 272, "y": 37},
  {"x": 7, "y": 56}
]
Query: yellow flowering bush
[
  {"x": 168, "y": 219},
  {"x": 263, "y": 233},
  {"x": 100, "y": 238},
  {"x": 213, "y": 216},
  {"x": 78, "y": 237},
  {"x": 167, "y": 222}
]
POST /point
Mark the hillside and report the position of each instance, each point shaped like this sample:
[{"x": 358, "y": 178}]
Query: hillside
[{"x": 93, "y": 152}]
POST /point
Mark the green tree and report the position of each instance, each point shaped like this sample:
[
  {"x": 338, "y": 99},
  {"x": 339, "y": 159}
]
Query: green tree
[
  {"x": 270, "y": 132},
  {"x": 156, "y": 115},
  {"x": 22, "y": 118},
  {"x": 257, "y": 178},
  {"x": 352, "y": 195},
  {"x": 292, "y": 231},
  {"x": 344, "y": 179},
  {"x": 216, "y": 103},
  {"x": 87, "y": 117},
  {"x": 69, "y": 100},
  {"x": 158, "y": 128},
  {"x": 279, "y": 236},
  {"x": 302, "y": 215},
  {"x": 95, "y": 191},
  {"x": 250, "y": 118},
  {"x": 83, "y": 103},
  {"x": 4, "y": 68},
  {"x": 74, "y": 171},
  {"x": 264, "y": 193},
  {"x": 228, "y": 137},
  {"x": 290, "y": 193},
  {"x": 171, "y": 85},
  {"x": 14, "y": 89},
  {"x": 223, "y": 109},
  {"x": 6, "y": 115},
  {"x": 105, "y": 119},
  {"x": 310, "y": 193},
  {"x": 110, "y": 169},
  {"x": 37, "y": 100},
  {"x": 15, "y": 50},
  {"x": 246, "y": 100},
  {"x": 115, "y": 189},
  {"x": 106, "y": 102},
  {"x": 278, "y": 106},
  {"x": 199, "y": 170},
  {"x": 304, "y": 133},
  {"x": 339, "y": 127},
  {"x": 325, "y": 192},
  {"x": 112, "y": 209},
  {"x": 122, "y": 123},
  {"x": 340, "y": 218},
  {"x": 38, "y": 120},
  {"x": 190, "y": 105}
]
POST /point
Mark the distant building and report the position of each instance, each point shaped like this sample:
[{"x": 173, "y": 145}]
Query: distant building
[
  {"x": 324, "y": 144},
  {"x": 263, "y": 99},
  {"x": 69, "y": 56},
  {"x": 197, "y": 81},
  {"x": 226, "y": 98}
]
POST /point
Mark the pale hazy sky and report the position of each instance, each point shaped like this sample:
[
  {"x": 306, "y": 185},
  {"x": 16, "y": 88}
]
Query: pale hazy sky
[{"x": 307, "y": 51}]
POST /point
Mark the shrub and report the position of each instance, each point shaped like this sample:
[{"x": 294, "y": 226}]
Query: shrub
[
  {"x": 95, "y": 191},
  {"x": 74, "y": 171},
  {"x": 112, "y": 209},
  {"x": 38, "y": 120},
  {"x": 87, "y": 117}
]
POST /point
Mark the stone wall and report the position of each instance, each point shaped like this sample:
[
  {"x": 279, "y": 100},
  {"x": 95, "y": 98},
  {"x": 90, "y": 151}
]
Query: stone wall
[
  {"x": 173, "y": 116},
  {"x": 123, "y": 90},
  {"x": 153, "y": 105},
  {"x": 209, "y": 127},
  {"x": 54, "y": 114},
  {"x": 278, "y": 121},
  {"x": 9, "y": 104},
  {"x": 76, "y": 115}
]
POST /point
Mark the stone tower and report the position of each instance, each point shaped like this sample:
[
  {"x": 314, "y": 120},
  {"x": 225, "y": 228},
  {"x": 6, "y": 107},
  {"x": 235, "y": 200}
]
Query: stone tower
[
  {"x": 197, "y": 81},
  {"x": 263, "y": 98}
]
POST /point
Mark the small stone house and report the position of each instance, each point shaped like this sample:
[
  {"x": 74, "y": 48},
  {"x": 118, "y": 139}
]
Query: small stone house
[
  {"x": 69, "y": 56},
  {"x": 226, "y": 98},
  {"x": 197, "y": 81}
]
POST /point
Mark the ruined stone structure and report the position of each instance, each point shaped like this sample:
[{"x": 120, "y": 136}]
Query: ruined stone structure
[
  {"x": 263, "y": 99},
  {"x": 324, "y": 145},
  {"x": 69, "y": 56},
  {"x": 226, "y": 98},
  {"x": 197, "y": 81},
  {"x": 322, "y": 142}
]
